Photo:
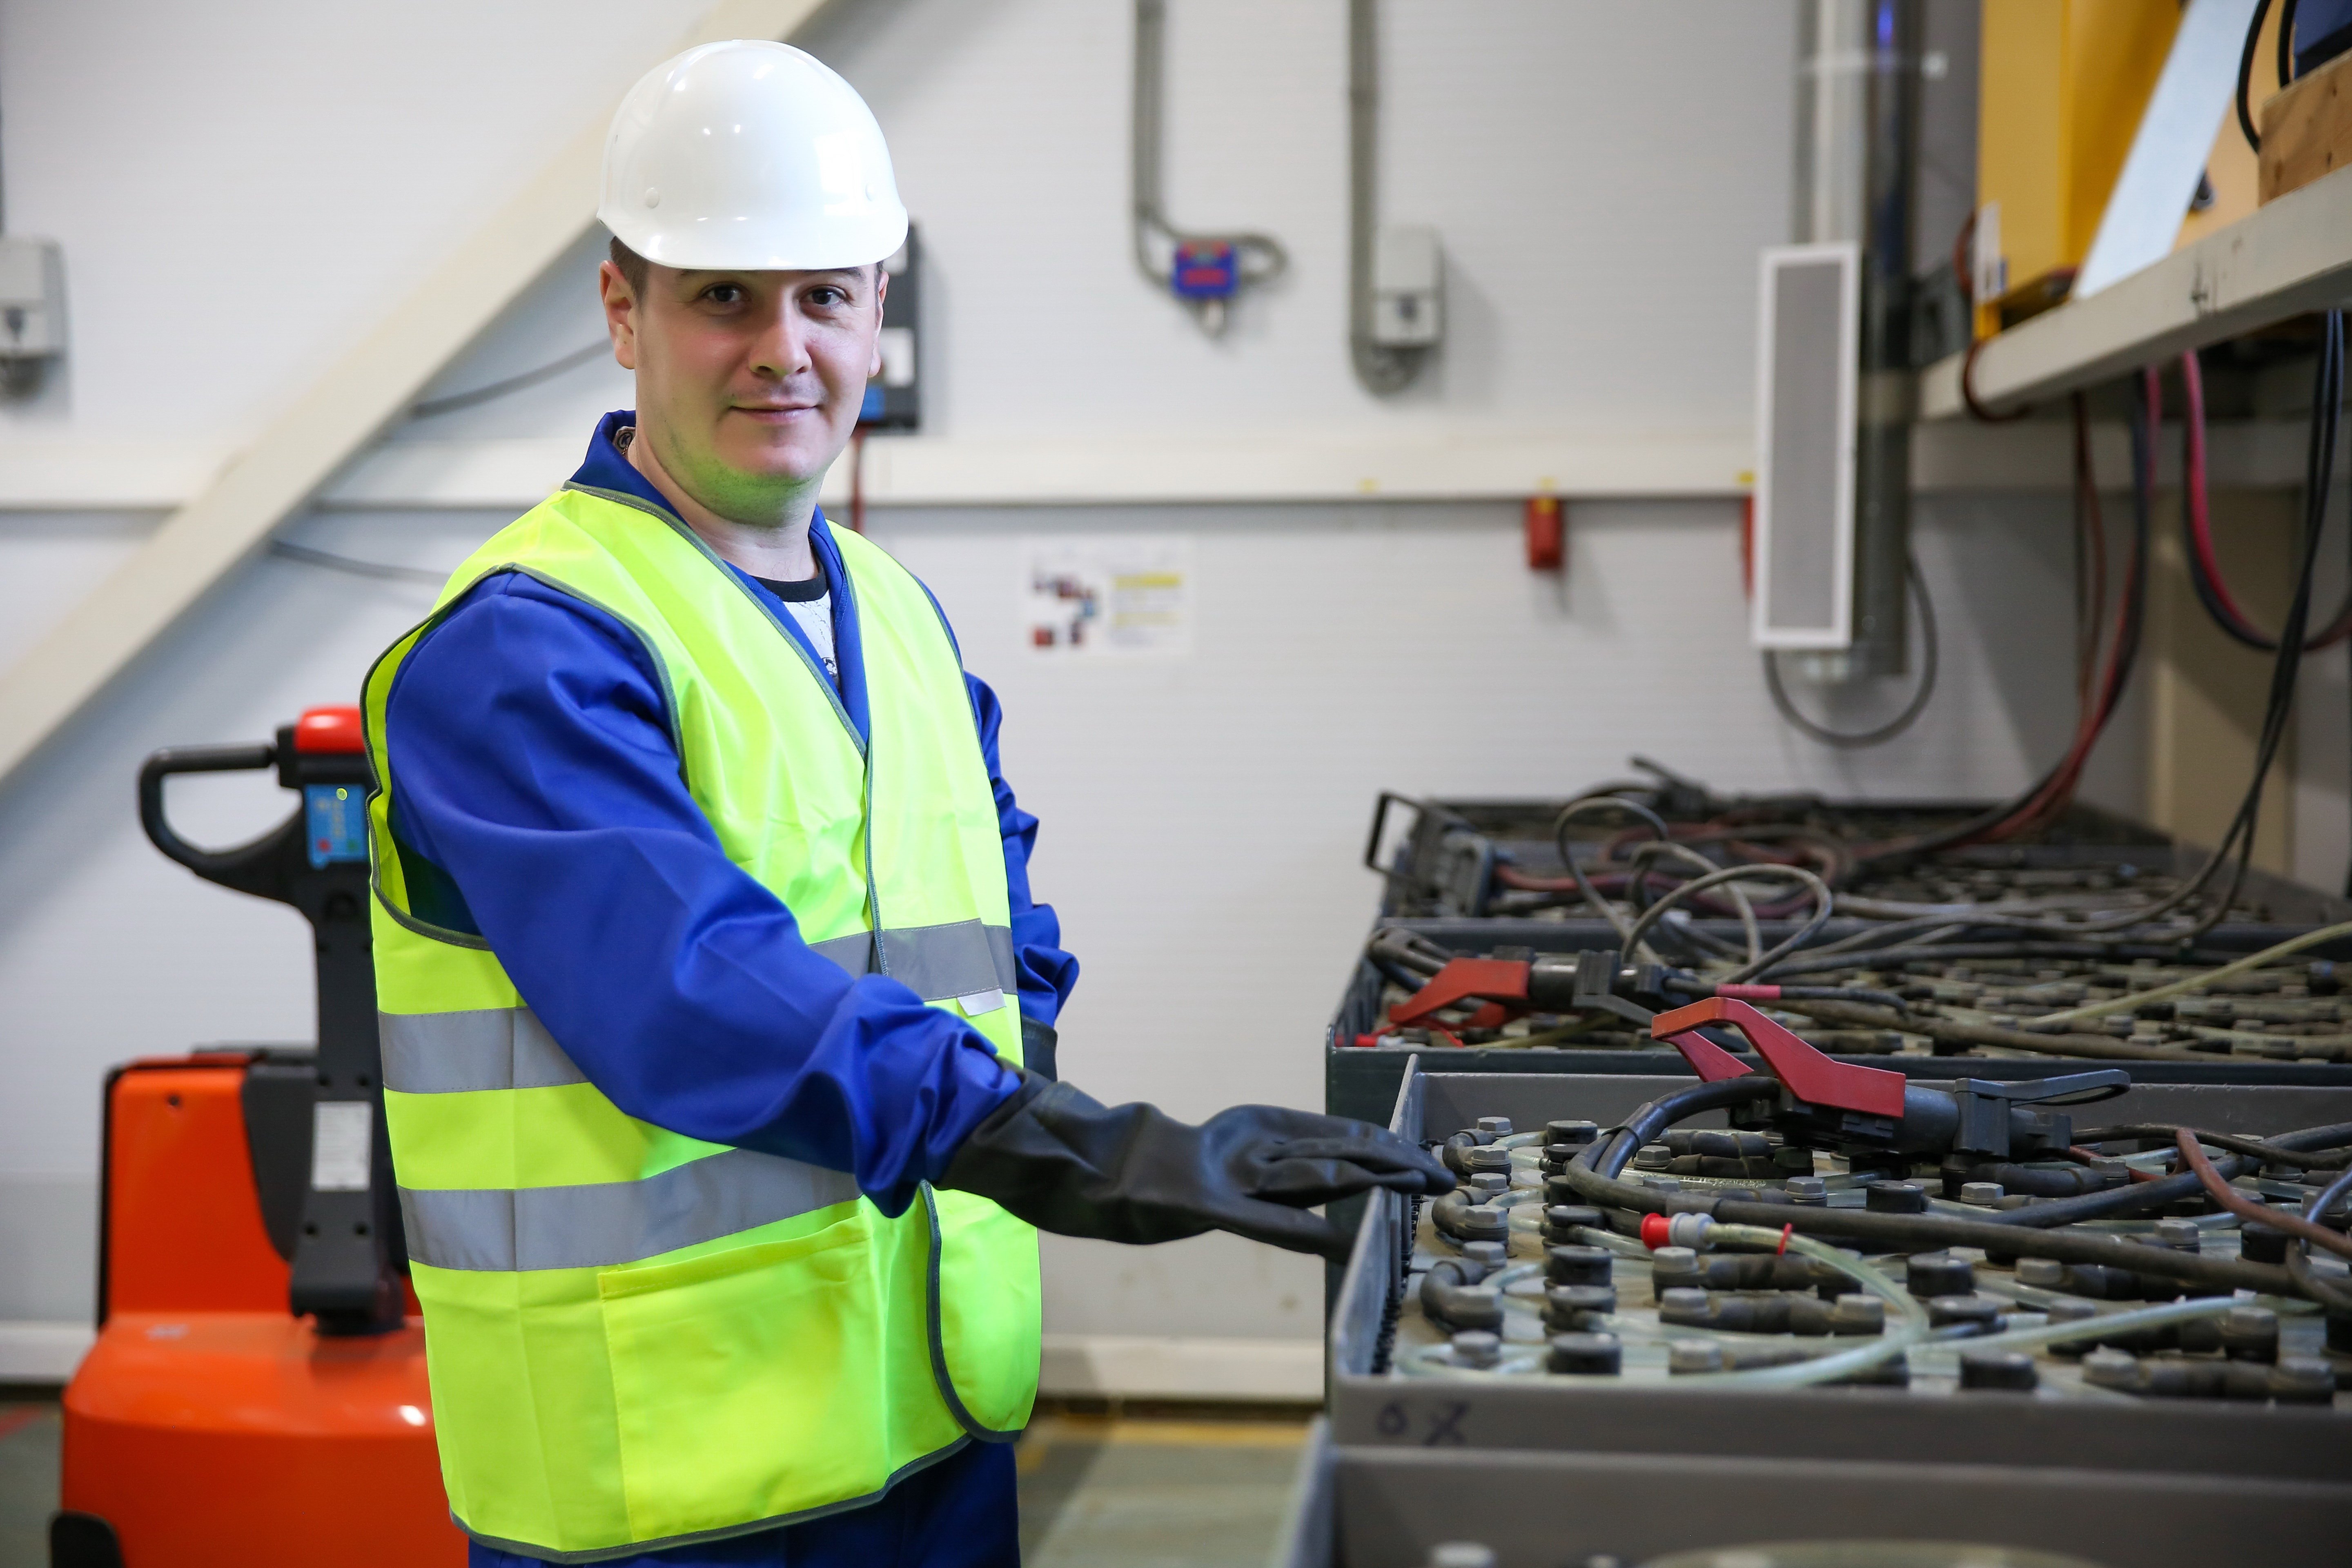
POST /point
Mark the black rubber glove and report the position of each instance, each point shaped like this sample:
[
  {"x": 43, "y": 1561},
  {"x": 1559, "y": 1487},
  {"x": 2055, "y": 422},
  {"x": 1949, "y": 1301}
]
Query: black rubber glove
[
  {"x": 1037, "y": 1043},
  {"x": 1055, "y": 1157}
]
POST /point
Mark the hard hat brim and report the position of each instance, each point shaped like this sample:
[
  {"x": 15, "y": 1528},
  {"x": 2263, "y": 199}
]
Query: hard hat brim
[{"x": 743, "y": 245}]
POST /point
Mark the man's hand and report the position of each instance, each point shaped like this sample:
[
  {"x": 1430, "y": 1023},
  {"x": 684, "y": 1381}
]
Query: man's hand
[{"x": 1055, "y": 1157}]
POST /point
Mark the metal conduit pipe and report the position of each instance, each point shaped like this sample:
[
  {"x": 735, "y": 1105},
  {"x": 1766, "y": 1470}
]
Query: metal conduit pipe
[
  {"x": 1857, "y": 149},
  {"x": 1260, "y": 258},
  {"x": 1382, "y": 368}
]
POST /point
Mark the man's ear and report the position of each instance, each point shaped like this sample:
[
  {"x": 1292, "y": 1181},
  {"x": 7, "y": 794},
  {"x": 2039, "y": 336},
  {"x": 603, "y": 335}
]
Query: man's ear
[
  {"x": 620, "y": 313},
  {"x": 881, "y": 295}
]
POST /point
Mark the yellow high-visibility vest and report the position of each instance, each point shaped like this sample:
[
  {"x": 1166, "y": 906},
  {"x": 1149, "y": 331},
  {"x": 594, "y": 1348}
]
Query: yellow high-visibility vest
[{"x": 637, "y": 1339}]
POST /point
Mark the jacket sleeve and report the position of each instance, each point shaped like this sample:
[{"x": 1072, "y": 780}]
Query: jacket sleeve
[
  {"x": 538, "y": 804},
  {"x": 1047, "y": 974}
]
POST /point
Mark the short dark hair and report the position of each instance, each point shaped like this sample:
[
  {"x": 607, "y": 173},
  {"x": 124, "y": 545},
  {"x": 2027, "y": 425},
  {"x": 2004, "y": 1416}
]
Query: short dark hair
[
  {"x": 637, "y": 270},
  {"x": 633, "y": 267}
]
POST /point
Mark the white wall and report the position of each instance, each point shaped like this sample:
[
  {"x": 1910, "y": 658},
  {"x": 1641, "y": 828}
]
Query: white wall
[{"x": 238, "y": 196}]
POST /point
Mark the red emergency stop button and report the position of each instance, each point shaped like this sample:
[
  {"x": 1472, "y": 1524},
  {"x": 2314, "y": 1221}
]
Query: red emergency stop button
[{"x": 329, "y": 729}]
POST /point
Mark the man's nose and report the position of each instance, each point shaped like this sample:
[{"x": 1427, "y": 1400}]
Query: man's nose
[{"x": 781, "y": 348}]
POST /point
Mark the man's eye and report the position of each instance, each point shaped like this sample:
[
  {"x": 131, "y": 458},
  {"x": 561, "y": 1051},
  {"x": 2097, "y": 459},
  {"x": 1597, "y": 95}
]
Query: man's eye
[
  {"x": 723, "y": 293},
  {"x": 825, "y": 298}
]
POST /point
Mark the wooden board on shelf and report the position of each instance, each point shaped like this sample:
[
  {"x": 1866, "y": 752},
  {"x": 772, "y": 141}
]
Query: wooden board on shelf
[{"x": 2307, "y": 129}]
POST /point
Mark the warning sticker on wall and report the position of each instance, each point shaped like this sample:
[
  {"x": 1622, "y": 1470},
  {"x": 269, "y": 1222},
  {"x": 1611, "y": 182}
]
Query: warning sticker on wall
[{"x": 1106, "y": 594}]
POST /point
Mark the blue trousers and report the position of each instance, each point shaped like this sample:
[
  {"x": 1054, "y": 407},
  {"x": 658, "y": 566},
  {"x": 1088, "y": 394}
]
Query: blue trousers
[{"x": 958, "y": 1514}]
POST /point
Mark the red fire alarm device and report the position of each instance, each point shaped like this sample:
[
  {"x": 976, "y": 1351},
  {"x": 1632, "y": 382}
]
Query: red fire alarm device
[{"x": 1547, "y": 534}]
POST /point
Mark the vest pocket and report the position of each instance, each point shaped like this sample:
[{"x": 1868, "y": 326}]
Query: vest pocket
[
  {"x": 985, "y": 1324},
  {"x": 749, "y": 1382}
]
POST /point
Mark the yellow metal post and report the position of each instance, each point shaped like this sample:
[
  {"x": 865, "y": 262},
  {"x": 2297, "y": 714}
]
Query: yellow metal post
[{"x": 2061, "y": 85}]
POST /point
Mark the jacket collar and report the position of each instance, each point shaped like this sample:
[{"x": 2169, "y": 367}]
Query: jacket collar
[{"x": 607, "y": 467}]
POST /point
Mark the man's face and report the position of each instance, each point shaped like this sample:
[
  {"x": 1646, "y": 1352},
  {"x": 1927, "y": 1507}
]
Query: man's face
[{"x": 748, "y": 383}]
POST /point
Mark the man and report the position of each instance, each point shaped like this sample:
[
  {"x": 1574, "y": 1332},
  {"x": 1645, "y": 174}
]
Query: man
[{"x": 718, "y": 1017}]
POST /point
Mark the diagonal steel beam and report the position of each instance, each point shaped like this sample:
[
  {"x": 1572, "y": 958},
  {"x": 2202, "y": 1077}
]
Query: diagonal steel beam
[{"x": 343, "y": 411}]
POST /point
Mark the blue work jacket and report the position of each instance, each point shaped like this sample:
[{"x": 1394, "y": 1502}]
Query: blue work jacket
[{"x": 541, "y": 807}]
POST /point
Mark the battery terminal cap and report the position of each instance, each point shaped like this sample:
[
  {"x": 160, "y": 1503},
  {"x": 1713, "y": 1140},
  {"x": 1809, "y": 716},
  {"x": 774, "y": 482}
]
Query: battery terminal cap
[
  {"x": 1686, "y": 1356},
  {"x": 2042, "y": 1273},
  {"x": 1488, "y": 1255}
]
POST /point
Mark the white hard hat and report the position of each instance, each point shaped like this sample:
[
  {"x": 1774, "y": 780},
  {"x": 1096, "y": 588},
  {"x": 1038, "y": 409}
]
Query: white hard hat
[{"x": 750, "y": 155}]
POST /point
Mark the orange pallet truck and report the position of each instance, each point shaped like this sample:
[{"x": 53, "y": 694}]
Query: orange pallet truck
[{"x": 257, "y": 1395}]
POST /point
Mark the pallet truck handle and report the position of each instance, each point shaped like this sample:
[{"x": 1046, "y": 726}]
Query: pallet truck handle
[{"x": 234, "y": 868}]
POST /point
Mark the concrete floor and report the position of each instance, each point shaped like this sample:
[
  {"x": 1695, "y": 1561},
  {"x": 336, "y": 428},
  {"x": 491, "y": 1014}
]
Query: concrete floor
[
  {"x": 29, "y": 1481},
  {"x": 1097, "y": 1491},
  {"x": 1109, "y": 1492}
]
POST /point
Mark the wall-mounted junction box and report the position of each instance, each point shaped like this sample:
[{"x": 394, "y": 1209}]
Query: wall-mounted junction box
[
  {"x": 894, "y": 396},
  {"x": 1408, "y": 287},
  {"x": 32, "y": 298}
]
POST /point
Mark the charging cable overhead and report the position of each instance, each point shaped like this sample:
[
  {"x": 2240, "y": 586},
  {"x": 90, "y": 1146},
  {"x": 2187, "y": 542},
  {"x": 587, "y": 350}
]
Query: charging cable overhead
[
  {"x": 2196, "y": 517},
  {"x": 506, "y": 387},
  {"x": 2235, "y": 850},
  {"x": 382, "y": 571}
]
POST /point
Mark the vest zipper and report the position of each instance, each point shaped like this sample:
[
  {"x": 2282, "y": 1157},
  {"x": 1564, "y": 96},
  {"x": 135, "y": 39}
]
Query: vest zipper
[
  {"x": 816, "y": 673},
  {"x": 873, "y": 895}
]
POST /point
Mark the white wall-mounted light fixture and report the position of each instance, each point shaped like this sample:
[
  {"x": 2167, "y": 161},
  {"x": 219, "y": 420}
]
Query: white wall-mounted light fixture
[{"x": 1807, "y": 359}]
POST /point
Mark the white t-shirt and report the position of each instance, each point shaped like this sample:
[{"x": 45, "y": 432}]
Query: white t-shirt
[
  {"x": 810, "y": 606},
  {"x": 811, "y": 602}
]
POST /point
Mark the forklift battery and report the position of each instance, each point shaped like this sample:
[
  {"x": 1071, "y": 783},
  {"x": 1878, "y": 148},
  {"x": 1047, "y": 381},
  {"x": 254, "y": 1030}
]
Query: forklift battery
[{"x": 1669, "y": 1313}]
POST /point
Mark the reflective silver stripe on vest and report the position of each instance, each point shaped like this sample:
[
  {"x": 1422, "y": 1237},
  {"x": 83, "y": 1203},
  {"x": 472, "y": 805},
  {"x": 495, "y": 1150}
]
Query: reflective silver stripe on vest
[
  {"x": 451, "y": 1053},
  {"x": 609, "y": 1223},
  {"x": 937, "y": 963}
]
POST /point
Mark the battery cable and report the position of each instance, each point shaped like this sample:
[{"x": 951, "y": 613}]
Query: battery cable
[
  {"x": 1857, "y": 740},
  {"x": 2204, "y": 566}
]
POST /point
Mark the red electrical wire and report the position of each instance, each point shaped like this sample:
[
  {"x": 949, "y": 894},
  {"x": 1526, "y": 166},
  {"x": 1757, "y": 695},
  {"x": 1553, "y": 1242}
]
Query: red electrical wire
[
  {"x": 1977, "y": 410},
  {"x": 2057, "y": 792},
  {"x": 2246, "y": 1208},
  {"x": 2216, "y": 594},
  {"x": 2201, "y": 523}
]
